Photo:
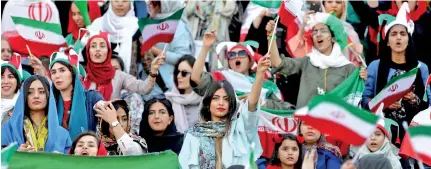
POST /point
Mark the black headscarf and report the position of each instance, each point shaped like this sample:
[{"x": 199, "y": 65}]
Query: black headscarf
[
  {"x": 374, "y": 161},
  {"x": 171, "y": 138},
  {"x": 386, "y": 64}
]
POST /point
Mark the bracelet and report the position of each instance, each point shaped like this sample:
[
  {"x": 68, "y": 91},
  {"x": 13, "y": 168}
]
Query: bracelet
[{"x": 270, "y": 37}]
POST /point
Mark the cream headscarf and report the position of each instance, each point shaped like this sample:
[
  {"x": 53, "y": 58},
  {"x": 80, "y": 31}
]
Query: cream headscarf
[
  {"x": 387, "y": 149},
  {"x": 122, "y": 29}
]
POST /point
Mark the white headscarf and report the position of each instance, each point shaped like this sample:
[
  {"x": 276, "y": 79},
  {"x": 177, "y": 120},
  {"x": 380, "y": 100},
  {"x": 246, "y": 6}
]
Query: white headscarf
[
  {"x": 7, "y": 105},
  {"x": 122, "y": 29},
  {"x": 387, "y": 149},
  {"x": 168, "y": 7},
  {"x": 335, "y": 59}
]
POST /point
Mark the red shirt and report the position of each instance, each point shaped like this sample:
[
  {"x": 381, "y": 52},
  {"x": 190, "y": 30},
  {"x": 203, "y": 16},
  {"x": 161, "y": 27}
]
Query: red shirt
[{"x": 65, "y": 121}]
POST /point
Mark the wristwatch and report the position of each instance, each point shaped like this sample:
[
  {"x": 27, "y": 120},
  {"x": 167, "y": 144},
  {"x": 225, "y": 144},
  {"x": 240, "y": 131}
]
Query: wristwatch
[
  {"x": 154, "y": 74},
  {"x": 115, "y": 124}
]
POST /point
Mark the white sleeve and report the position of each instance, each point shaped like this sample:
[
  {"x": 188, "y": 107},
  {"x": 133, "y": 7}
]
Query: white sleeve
[{"x": 128, "y": 146}]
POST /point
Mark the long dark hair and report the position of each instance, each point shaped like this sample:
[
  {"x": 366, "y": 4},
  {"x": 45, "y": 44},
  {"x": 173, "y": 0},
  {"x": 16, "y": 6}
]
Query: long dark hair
[
  {"x": 14, "y": 73},
  {"x": 75, "y": 142},
  {"x": 275, "y": 160},
  {"x": 386, "y": 63},
  {"x": 206, "y": 102},
  {"x": 145, "y": 131},
  {"x": 117, "y": 104},
  {"x": 27, "y": 84},
  {"x": 190, "y": 60},
  {"x": 119, "y": 60},
  {"x": 55, "y": 91}
]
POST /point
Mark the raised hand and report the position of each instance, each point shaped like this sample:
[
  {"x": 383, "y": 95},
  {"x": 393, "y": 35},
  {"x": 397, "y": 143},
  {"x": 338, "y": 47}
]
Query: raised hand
[
  {"x": 108, "y": 113},
  {"x": 264, "y": 63},
  {"x": 209, "y": 38},
  {"x": 157, "y": 62},
  {"x": 270, "y": 26},
  {"x": 37, "y": 65},
  {"x": 363, "y": 73}
]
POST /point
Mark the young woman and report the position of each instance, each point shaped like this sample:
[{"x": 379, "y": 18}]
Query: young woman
[
  {"x": 181, "y": 45},
  {"x": 11, "y": 79},
  {"x": 227, "y": 131},
  {"x": 103, "y": 77},
  {"x": 158, "y": 127},
  {"x": 88, "y": 144},
  {"x": 117, "y": 63},
  {"x": 379, "y": 143},
  {"x": 120, "y": 20},
  {"x": 287, "y": 153},
  {"x": 397, "y": 56},
  {"x": 240, "y": 58},
  {"x": 6, "y": 49},
  {"x": 115, "y": 130},
  {"x": 185, "y": 101},
  {"x": 74, "y": 104},
  {"x": 328, "y": 156},
  {"x": 34, "y": 122},
  {"x": 325, "y": 67},
  {"x": 80, "y": 17}
]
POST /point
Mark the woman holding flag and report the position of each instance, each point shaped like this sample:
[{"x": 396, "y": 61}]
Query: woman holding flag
[
  {"x": 325, "y": 59},
  {"x": 227, "y": 131},
  {"x": 74, "y": 104},
  {"x": 105, "y": 79},
  {"x": 397, "y": 57},
  {"x": 34, "y": 122}
]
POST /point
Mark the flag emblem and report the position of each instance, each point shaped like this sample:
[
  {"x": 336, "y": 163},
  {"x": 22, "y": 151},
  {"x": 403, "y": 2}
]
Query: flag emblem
[{"x": 43, "y": 14}]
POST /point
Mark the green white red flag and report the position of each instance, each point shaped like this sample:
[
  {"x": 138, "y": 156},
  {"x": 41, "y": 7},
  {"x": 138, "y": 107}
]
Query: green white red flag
[
  {"x": 161, "y": 30},
  {"x": 35, "y": 24},
  {"x": 333, "y": 116},
  {"x": 351, "y": 89},
  {"x": 417, "y": 144},
  {"x": 6, "y": 155},
  {"x": 394, "y": 90}
]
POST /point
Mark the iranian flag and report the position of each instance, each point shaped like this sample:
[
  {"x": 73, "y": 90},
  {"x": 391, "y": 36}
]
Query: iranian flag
[
  {"x": 351, "y": 89},
  {"x": 272, "y": 123},
  {"x": 6, "y": 155},
  {"x": 291, "y": 16},
  {"x": 35, "y": 24},
  {"x": 24, "y": 160},
  {"x": 162, "y": 30},
  {"x": 333, "y": 116},
  {"x": 417, "y": 144},
  {"x": 394, "y": 90}
]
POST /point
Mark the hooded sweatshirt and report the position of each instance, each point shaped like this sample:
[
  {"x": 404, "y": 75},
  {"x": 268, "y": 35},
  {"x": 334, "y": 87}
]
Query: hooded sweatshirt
[{"x": 58, "y": 139}]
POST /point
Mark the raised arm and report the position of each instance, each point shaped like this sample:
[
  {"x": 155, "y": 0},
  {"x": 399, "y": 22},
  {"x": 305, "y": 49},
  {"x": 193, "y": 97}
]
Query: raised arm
[
  {"x": 208, "y": 41},
  {"x": 253, "y": 99},
  {"x": 274, "y": 54},
  {"x": 132, "y": 84}
]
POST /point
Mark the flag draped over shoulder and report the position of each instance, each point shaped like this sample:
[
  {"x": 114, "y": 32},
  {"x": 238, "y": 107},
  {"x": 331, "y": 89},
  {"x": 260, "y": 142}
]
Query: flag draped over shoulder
[
  {"x": 35, "y": 24},
  {"x": 394, "y": 90},
  {"x": 22, "y": 160},
  {"x": 417, "y": 144},
  {"x": 351, "y": 89},
  {"x": 333, "y": 116},
  {"x": 162, "y": 30},
  {"x": 274, "y": 122}
]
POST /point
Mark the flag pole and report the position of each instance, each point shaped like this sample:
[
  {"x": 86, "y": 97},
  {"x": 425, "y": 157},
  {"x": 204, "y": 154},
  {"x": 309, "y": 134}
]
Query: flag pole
[
  {"x": 29, "y": 52},
  {"x": 406, "y": 128},
  {"x": 273, "y": 33}
]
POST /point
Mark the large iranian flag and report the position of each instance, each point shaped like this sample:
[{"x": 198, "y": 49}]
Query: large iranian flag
[
  {"x": 394, "y": 90},
  {"x": 23, "y": 160},
  {"x": 35, "y": 24},
  {"x": 272, "y": 123},
  {"x": 333, "y": 116},
  {"x": 417, "y": 144},
  {"x": 162, "y": 30}
]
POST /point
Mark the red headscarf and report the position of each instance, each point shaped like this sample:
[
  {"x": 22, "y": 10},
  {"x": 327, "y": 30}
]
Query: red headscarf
[
  {"x": 93, "y": 11},
  {"x": 100, "y": 73}
]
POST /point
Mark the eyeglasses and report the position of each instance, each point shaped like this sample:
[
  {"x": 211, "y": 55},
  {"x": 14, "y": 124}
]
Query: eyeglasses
[
  {"x": 322, "y": 31},
  {"x": 241, "y": 53},
  {"x": 183, "y": 73}
]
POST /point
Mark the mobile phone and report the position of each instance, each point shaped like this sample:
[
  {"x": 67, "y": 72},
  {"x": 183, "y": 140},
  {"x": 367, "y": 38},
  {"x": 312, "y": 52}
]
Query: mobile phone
[{"x": 312, "y": 6}]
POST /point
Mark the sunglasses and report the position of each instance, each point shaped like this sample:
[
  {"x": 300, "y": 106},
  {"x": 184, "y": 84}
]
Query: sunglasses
[
  {"x": 183, "y": 73},
  {"x": 241, "y": 53}
]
